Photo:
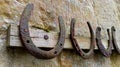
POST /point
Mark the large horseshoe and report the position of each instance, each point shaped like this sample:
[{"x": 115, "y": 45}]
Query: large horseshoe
[
  {"x": 106, "y": 52},
  {"x": 75, "y": 44},
  {"x": 28, "y": 43},
  {"x": 114, "y": 40}
]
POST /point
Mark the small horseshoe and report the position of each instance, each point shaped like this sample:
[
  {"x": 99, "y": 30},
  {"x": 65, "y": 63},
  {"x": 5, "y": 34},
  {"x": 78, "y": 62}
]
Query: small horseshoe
[
  {"x": 106, "y": 52},
  {"x": 114, "y": 40},
  {"x": 75, "y": 44},
  {"x": 28, "y": 43}
]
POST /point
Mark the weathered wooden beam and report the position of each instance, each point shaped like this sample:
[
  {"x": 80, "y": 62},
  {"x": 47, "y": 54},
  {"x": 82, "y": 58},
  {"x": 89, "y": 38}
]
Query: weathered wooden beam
[{"x": 37, "y": 36}]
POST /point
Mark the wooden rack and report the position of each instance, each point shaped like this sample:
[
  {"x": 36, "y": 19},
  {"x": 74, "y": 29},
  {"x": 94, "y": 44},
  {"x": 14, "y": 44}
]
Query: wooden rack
[{"x": 37, "y": 36}]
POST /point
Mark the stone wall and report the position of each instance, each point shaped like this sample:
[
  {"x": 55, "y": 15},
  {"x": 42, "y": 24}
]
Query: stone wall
[{"x": 103, "y": 13}]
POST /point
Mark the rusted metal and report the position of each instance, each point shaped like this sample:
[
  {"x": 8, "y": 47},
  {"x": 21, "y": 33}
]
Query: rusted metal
[
  {"x": 28, "y": 43},
  {"x": 114, "y": 40},
  {"x": 75, "y": 44},
  {"x": 46, "y": 37},
  {"x": 106, "y": 52}
]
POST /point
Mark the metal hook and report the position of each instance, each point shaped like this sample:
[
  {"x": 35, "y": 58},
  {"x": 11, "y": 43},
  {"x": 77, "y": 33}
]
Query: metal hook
[
  {"x": 75, "y": 44},
  {"x": 106, "y": 52},
  {"x": 28, "y": 43},
  {"x": 114, "y": 40}
]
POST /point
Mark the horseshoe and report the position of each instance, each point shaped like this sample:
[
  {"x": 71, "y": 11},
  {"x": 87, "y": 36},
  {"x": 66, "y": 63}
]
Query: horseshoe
[
  {"x": 114, "y": 40},
  {"x": 28, "y": 43},
  {"x": 106, "y": 52},
  {"x": 75, "y": 44}
]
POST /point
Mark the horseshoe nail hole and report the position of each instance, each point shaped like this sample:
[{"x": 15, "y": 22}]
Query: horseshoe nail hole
[
  {"x": 60, "y": 44},
  {"x": 99, "y": 29},
  {"x": 55, "y": 52},
  {"x": 28, "y": 41},
  {"x": 25, "y": 30}
]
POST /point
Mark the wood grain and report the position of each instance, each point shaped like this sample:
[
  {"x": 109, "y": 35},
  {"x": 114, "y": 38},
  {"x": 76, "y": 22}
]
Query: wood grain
[{"x": 37, "y": 36}]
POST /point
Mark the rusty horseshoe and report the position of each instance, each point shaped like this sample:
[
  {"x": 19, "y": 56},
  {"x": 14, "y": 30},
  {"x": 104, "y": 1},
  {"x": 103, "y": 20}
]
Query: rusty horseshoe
[
  {"x": 28, "y": 43},
  {"x": 114, "y": 40},
  {"x": 106, "y": 52},
  {"x": 75, "y": 44}
]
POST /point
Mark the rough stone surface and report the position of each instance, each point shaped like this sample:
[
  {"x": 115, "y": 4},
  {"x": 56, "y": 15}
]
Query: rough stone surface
[{"x": 103, "y": 13}]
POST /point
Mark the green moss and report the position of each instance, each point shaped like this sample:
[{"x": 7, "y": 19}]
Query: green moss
[{"x": 45, "y": 27}]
